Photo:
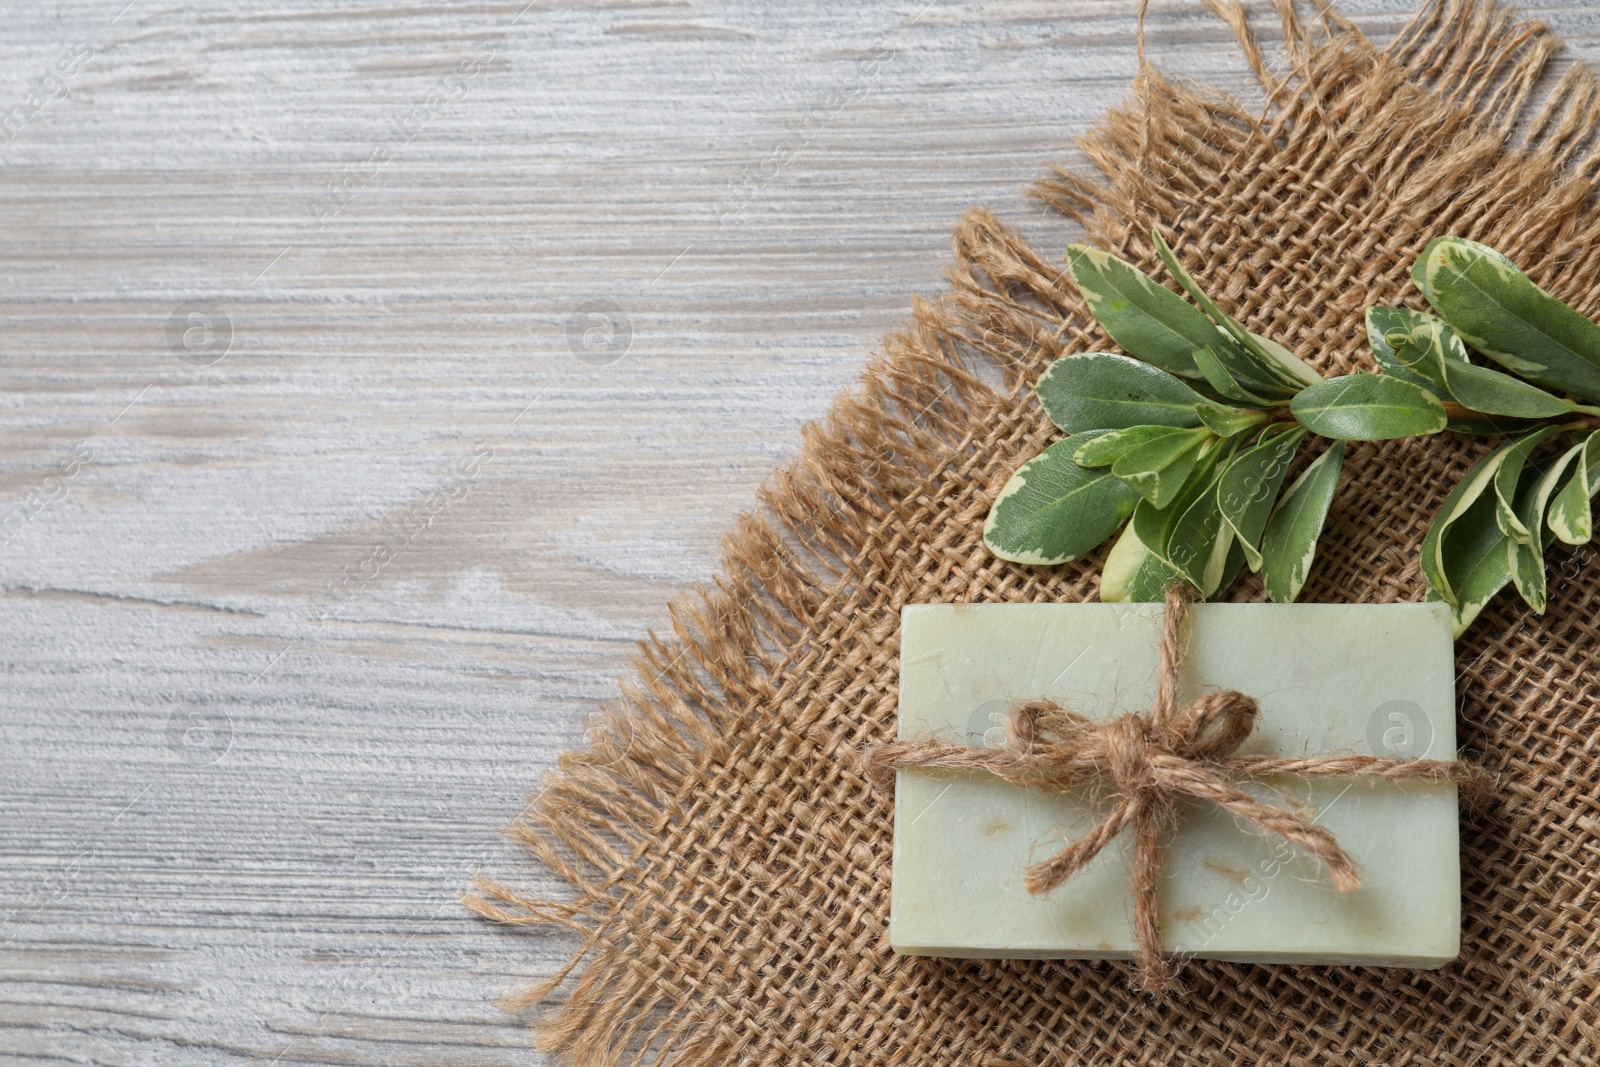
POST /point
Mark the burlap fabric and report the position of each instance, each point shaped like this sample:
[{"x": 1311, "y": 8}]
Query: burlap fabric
[{"x": 729, "y": 862}]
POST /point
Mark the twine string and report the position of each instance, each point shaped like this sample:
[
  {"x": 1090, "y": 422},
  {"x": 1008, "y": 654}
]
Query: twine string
[{"x": 1152, "y": 760}]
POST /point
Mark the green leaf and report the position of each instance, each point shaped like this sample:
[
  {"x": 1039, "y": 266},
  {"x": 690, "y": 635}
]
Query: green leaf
[
  {"x": 1155, "y": 523},
  {"x": 1220, "y": 378},
  {"x": 1132, "y": 573},
  {"x": 1298, "y": 371},
  {"x": 1473, "y": 494},
  {"x": 1526, "y": 561},
  {"x": 1202, "y": 544},
  {"x": 1498, "y": 310},
  {"x": 1389, "y": 332},
  {"x": 1495, "y": 393},
  {"x": 1231, "y": 568},
  {"x": 1422, "y": 349},
  {"x": 1225, "y": 422},
  {"x": 1223, "y": 320},
  {"x": 1249, "y": 487},
  {"x": 1157, "y": 470},
  {"x": 1149, "y": 320},
  {"x": 1198, "y": 544},
  {"x": 1474, "y": 555},
  {"x": 1222, "y": 566},
  {"x": 1509, "y": 476},
  {"x": 1259, "y": 364},
  {"x": 1368, "y": 407},
  {"x": 1252, "y": 374},
  {"x": 1156, "y": 462},
  {"x": 1571, "y": 516},
  {"x": 1105, "y": 447},
  {"x": 1052, "y": 510},
  {"x": 1429, "y": 347},
  {"x": 1290, "y": 544},
  {"x": 1099, "y": 391}
]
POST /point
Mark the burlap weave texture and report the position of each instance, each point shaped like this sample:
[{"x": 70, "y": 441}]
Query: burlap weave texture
[{"x": 729, "y": 862}]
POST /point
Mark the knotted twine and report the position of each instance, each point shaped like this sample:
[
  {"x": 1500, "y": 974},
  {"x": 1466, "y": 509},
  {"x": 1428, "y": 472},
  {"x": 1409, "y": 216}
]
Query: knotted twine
[{"x": 1152, "y": 760}]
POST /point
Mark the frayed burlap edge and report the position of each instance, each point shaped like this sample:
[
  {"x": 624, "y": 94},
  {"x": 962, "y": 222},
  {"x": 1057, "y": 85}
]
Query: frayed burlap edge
[{"x": 1462, "y": 90}]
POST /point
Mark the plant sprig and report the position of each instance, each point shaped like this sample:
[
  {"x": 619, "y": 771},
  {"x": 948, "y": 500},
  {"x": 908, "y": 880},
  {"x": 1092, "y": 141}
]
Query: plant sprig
[
  {"x": 1185, "y": 443},
  {"x": 1497, "y": 523}
]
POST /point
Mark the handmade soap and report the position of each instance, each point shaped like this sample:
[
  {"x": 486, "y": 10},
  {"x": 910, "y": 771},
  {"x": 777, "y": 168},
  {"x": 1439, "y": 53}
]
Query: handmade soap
[{"x": 1330, "y": 679}]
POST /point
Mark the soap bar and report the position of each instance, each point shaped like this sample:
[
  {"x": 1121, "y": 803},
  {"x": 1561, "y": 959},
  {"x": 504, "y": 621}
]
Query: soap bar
[{"x": 1331, "y": 680}]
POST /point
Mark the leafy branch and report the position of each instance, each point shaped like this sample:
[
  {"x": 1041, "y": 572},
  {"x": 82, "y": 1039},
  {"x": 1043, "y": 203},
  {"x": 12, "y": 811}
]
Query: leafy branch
[
  {"x": 1497, "y": 523},
  {"x": 1184, "y": 444}
]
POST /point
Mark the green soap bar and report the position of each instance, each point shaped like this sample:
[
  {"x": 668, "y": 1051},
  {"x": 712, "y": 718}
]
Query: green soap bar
[{"x": 1331, "y": 679}]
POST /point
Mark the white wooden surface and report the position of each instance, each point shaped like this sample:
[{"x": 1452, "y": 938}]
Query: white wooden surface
[{"x": 287, "y": 637}]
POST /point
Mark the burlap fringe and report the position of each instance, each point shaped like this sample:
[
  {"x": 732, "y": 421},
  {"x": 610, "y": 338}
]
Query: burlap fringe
[{"x": 969, "y": 353}]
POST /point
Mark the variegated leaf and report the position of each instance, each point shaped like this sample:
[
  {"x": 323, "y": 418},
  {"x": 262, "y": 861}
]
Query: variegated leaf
[
  {"x": 1146, "y": 318},
  {"x": 1526, "y": 560},
  {"x": 1132, "y": 573},
  {"x": 1571, "y": 516},
  {"x": 1509, "y": 476},
  {"x": 1155, "y": 523},
  {"x": 1053, "y": 510},
  {"x": 1260, "y": 365},
  {"x": 1368, "y": 407},
  {"x": 1225, "y": 421},
  {"x": 1101, "y": 391},
  {"x": 1220, "y": 378},
  {"x": 1290, "y": 544},
  {"x": 1498, "y": 310},
  {"x": 1249, "y": 487},
  {"x": 1473, "y": 494}
]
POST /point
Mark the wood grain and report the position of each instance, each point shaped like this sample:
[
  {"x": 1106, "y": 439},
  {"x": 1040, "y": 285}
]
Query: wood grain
[{"x": 288, "y": 636}]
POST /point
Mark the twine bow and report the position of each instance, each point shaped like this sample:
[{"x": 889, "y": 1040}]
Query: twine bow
[{"x": 1152, "y": 760}]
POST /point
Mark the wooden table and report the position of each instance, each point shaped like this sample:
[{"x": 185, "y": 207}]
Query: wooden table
[{"x": 372, "y": 379}]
